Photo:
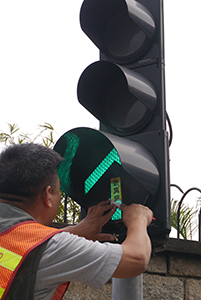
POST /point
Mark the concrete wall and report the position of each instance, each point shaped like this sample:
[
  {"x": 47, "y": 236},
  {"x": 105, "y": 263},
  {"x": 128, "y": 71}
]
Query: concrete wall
[{"x": 174, "y": 274}]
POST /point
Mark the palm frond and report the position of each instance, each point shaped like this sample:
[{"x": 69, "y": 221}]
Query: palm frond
[{"x": 187, "y": 223}]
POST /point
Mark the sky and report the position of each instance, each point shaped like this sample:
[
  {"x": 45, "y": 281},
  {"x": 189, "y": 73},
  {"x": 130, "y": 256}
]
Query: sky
[{"x": 44, "y": 51}]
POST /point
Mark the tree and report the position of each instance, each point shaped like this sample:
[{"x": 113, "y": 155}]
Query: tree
[
  {"x": 14, "y": 136},
  {"x": 45, "y": 135}
]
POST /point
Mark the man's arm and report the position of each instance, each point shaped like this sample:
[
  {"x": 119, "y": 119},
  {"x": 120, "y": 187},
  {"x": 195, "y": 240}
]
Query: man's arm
[{"x": 137, "y": 246}]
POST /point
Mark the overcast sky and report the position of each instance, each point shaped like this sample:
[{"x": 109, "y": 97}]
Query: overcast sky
[{"x": 43, "y": 52}]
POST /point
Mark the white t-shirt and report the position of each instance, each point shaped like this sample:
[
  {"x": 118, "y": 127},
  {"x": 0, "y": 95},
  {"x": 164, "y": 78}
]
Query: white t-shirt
[{"x": 68, "y": 257}]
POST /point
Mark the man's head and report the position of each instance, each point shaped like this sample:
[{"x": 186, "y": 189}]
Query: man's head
[{"x": 27, "y": 169}]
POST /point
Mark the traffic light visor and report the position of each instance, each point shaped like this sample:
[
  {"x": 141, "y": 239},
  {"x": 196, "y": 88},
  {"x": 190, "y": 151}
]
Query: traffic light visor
[
  {"x": 120, "y": 98},
  {"x": 122, "y": 30}
]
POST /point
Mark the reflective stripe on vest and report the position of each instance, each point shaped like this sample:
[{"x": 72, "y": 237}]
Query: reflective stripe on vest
[{"x": 15, "y": 244}]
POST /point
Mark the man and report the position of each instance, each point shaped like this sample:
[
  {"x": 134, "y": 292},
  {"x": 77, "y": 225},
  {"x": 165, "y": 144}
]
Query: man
[{"x": 46, "y": 257}]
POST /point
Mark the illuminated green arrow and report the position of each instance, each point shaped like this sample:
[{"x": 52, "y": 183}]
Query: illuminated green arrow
[{"x": 106, "y": 163}]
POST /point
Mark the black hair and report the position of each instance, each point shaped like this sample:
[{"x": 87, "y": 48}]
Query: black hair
[{"x": 27, "y": 169}]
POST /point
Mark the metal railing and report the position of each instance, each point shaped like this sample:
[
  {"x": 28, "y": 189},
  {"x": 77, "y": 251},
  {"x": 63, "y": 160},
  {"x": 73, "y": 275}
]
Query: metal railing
[{"x": 179, "y": 208}]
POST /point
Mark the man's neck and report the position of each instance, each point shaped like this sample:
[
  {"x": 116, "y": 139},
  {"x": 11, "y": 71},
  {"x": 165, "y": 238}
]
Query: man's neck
[
  {"x": 13, "y": 198},
  {"x": 23, "y": 203}
]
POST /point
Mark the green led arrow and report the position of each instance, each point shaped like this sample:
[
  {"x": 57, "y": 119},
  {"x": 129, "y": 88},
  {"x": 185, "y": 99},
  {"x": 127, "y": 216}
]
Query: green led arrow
[{"x": 106, "y": 163}]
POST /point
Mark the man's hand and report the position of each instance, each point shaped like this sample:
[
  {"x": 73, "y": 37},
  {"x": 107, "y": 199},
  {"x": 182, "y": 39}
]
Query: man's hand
[
  {"x": 135, "y": 213},
  {"x": 91, "y": 226}
]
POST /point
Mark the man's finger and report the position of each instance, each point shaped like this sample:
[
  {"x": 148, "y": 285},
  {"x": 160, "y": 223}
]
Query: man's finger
[
  {"x": 105, "y": 218},
  {"x": 103, "y": 202},
  {"x": 103, "y": 205},
  {"x": 99, "y": 210},
  {"x": 122, "y": 206},
  {"x": 107, "y": 207}
]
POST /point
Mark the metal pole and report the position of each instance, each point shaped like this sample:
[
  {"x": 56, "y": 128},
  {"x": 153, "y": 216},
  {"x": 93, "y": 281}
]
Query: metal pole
[{"x": 127, "y": 288}]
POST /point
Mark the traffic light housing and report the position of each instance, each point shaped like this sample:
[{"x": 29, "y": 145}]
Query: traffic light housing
[{"x": 125, "y": 90}]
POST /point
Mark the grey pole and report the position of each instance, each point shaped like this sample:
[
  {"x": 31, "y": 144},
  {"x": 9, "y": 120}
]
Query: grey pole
[{"x": 127, "y": 288}]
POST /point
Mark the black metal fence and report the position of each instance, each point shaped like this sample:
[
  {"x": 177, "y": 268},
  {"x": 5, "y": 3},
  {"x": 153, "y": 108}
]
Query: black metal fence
[{"x": 184, "y": 194}]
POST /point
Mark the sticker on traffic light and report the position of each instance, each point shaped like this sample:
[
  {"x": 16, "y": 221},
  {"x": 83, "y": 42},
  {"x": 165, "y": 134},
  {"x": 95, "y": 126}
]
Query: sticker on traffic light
[{"x": 116, "y": 196}]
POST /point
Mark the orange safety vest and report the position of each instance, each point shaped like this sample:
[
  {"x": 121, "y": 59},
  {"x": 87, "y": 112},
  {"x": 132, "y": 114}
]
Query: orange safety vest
[{"x": 15, "y": 244}]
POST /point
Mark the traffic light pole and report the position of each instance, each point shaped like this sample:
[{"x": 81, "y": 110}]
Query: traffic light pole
[{"x": 127, "y": 288}]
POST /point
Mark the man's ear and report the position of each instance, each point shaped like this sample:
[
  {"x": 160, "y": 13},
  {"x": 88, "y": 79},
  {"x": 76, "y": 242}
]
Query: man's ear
[{"x": 46, "y": 195}]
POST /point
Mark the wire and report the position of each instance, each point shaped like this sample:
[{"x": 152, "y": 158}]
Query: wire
[{"x": 170, "y": 129}]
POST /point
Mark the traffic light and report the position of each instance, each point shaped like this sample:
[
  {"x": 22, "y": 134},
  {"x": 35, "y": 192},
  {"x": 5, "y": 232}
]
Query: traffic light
[{"x": 125, "y": 91}]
